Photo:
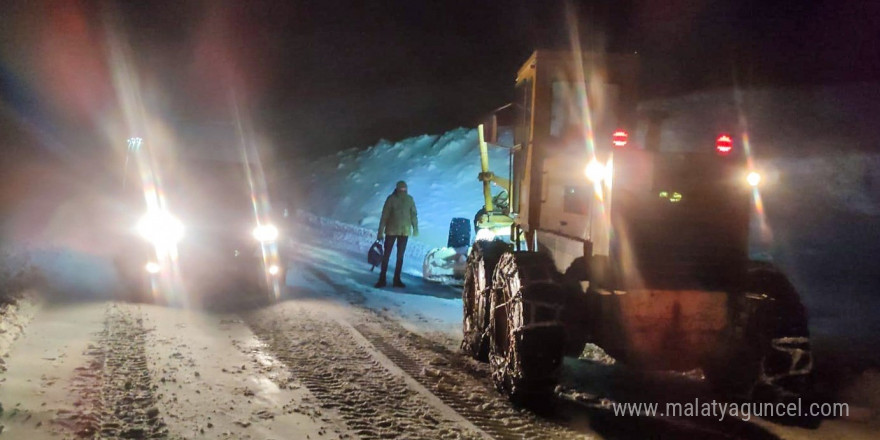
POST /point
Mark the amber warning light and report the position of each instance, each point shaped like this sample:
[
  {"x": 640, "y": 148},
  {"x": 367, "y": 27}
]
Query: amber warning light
[
  {"x": 724, "y": 145},
  {"x": 619, "y": 138}
]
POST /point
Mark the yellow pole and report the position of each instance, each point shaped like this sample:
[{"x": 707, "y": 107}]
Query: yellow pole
[{"x": 484, "y": 164}]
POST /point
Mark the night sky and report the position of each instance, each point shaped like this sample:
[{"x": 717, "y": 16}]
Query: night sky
[{"x": 320, "y": 76}]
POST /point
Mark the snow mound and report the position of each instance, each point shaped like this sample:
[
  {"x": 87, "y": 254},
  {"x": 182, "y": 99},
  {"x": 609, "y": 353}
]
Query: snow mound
[{"x": 440, "y": 171}]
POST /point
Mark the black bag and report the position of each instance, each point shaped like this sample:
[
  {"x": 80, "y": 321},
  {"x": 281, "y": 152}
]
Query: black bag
[{"x": 374, "y": 255}]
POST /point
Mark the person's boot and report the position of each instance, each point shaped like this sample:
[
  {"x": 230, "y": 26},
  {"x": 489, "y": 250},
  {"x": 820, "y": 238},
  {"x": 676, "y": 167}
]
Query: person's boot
[
  {"x": 398, "y": 283},
  {"x": 380, "y": 283}
]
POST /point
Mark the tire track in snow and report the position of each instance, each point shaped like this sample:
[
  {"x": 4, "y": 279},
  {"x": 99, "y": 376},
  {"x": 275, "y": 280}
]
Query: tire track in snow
[
  {"x": 444, "y": 375},
  {"x": 114, "y": 389},
  {"x": 374, "y": 402},
  {"x": 447, "y": 376}
]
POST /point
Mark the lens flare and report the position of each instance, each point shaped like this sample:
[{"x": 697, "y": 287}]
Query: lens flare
[
  {"x": 266, "y": 233},
  {"x": 595, "y": 171},
  {"x": 160, "y": 228},
  {"x": 753, "y": 179},
  {"x": 765, "y": 232}
]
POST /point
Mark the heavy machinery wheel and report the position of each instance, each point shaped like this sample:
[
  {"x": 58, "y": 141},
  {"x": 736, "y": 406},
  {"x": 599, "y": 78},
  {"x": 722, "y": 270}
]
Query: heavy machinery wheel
[
  {"x": 770, "y": 358},
  {"x": 476, "y": 296},
  {"x": 526, "y": 333}
]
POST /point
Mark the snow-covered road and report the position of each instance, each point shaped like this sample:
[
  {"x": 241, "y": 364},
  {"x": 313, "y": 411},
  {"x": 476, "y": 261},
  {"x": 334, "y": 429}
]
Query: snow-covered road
[
  {"x": 305, "y": 368},
  {"x": 111, "y": 370},
  {"x": 335, "y": 358}
]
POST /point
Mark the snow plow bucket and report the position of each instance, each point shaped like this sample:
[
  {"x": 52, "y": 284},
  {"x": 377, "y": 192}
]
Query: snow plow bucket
[{"x": 445, "y": 265}]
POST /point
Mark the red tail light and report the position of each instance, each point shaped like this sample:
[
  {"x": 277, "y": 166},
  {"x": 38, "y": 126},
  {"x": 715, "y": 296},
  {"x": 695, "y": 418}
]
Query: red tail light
[
  {"x": 724, "y": 145},
  {"x": 619, "y": 138}
]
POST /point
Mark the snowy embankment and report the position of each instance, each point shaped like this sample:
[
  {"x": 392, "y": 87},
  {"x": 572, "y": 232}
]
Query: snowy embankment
[
  {"x": 345, "y": 237},
  {"x": 19, "y": 283},
  {"x": 441, "y": 172}
]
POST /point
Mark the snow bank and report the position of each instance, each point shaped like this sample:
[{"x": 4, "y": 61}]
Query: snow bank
[
  {"x": 441, "y": 172},
  {"x": 345, "y": 237}
]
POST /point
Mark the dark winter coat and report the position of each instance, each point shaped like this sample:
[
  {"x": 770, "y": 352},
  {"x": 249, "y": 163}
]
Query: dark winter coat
[{"x": 399, "y": 215}]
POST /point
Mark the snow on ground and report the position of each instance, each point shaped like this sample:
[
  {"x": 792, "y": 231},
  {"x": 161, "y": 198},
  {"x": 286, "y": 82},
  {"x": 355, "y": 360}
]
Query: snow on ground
[
  {"x": 204, "y": 361},
  {"x": 440, "y": 170},
  {"x": 329, "y": 259},
  {"x": 50, "y": 352},
  {"x": 206, "y": 377},
  {"x": 338, "y": 235}
]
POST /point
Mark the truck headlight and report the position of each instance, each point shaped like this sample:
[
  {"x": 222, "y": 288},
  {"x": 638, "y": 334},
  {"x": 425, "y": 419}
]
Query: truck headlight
[
  {"x": 753, "y": 179},
  {"x": 160, "y": 228},
  {"x": 485, "y": 234},
  {"x": 595, "y": 171},
  {"x": 266, "y": 233}
]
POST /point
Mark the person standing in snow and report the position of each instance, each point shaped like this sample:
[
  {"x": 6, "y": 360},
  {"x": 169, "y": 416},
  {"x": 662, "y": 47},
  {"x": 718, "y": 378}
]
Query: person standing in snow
[{"x": 399, "y": 219}]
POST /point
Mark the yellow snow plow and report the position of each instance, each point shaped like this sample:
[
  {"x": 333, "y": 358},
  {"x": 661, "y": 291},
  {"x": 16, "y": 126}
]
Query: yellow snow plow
[{"x": 597, "y": 237}]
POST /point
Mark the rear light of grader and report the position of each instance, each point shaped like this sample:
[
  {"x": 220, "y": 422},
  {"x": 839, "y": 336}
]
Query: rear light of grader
[
  {"x": 619, "y": 138},
  {"x": 724, "y": 145}
]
